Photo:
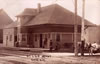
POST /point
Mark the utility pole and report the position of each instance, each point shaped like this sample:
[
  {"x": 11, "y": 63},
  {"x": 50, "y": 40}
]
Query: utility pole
[
  {"x": 82, "y": 29},
  {"x": 75, "y": 30}
]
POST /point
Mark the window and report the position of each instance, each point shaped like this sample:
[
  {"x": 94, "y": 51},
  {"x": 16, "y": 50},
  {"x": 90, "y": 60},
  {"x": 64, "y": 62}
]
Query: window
[
  {"x": 23, "y": 37},
  {"x": 15, "y": 38},
  {"x": 67, "y": 38},
  {"x": 1, "y": 40},
  {"x": 1, "y": 35},
  {"x": 10, "y": 37},
  {"x": 6, "y": 37},
  {"x": 58, "y": 37},
  {"x": 49, "y": 35},
  {"x": 35, "y": 37}
]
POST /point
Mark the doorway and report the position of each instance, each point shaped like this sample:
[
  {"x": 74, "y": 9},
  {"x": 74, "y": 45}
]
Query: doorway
[{"x": 41, "y": 41}]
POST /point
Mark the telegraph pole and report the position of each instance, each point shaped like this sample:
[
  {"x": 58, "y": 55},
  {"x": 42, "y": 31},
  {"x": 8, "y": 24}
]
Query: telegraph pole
[
  {"x": 82, "y": 29},
  {"x": 75, "y": 31}
]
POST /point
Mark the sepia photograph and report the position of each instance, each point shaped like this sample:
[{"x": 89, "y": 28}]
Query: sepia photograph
[{"x": 49, "y": 31}]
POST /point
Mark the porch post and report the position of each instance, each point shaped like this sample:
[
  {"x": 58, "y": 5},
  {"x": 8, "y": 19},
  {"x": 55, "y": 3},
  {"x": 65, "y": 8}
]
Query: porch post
[{"x": 18, "y": 32}]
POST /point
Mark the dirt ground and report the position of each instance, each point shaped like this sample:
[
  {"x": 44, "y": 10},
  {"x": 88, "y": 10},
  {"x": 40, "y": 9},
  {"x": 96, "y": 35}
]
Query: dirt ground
[{"x": 19, "y": 57}]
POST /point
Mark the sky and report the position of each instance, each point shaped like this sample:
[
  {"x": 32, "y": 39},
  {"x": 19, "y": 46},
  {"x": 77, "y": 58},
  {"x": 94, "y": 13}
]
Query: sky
[{"x": 15, "y": 7}]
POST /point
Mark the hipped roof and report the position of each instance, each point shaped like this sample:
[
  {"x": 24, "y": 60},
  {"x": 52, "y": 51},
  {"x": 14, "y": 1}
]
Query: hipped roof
[
  {"x": 51, "y": 14},
  {"x": 55, "y": 14},
  {"x": 4, "y": 19}
]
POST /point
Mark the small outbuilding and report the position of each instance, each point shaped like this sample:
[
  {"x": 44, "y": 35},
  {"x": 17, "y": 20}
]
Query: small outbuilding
[{"x": 4, "y": 21}]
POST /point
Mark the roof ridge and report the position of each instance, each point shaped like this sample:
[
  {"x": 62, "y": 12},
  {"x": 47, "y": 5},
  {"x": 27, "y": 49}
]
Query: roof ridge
[{"x": 30, "y": 8}]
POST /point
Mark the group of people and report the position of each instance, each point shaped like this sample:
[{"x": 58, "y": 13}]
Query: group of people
[{"x": 90, "y": 47}]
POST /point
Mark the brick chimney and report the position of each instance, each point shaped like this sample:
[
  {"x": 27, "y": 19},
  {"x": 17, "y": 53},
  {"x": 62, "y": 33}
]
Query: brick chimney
[{"x": 39, "y": 8}]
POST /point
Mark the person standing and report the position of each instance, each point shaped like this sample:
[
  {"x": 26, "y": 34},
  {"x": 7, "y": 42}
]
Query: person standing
[
  {"x": 51, "y": 45},
  {"x": 45, "y": 43},
  {"x": 57, "y": 47},
  {"x": 79, "y": 46},
  {"x": 82, "y": 47},
  {"x": 16, "y": 43}
]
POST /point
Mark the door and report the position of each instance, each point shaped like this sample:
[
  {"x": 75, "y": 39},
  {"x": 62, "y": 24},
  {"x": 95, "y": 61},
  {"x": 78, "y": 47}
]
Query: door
[
  {"x": 41, "y": 41},
  {"x": 6, "y": 40}
]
